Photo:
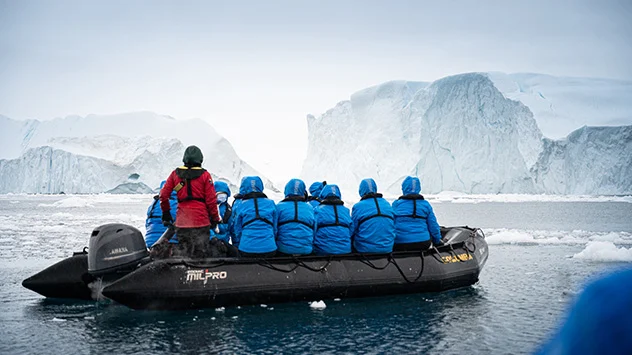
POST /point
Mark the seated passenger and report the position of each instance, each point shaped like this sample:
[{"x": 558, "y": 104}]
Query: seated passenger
[
  {"x": 295, "y": 225},
  {"x": 332, "y": 234},
  {"x": 153, "y": 223},
  {"x": 373, "y": 221},
  {"x": 235, "y": 208},
  {"x": 231, "y": 224},
  {"x": 255, "y": 223},
  {"x": 224, "y": 227},
  {"x": 314, "y": 191},
  {"x": 415, "y": 222},
  {"x": 225, "y": 210}
]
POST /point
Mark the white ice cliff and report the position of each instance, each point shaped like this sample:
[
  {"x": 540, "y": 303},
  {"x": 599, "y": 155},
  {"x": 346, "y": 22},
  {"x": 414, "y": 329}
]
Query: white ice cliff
[
  {"x": 97, "y": 153},
  {"x": 461, "y": 133}
]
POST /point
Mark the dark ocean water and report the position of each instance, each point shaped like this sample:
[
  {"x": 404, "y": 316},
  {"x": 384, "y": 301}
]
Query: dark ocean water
[{"x": 522, "y": 294}]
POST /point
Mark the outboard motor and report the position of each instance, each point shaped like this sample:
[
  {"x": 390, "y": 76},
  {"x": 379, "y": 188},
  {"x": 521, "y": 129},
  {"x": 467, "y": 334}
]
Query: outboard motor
[{"x": 114, "y": 247}]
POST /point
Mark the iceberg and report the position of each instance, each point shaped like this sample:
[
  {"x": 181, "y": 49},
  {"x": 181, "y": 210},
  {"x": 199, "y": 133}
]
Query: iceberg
[
  {"x": 463, "y": 134},
  {"x": 96, "y": 154}
]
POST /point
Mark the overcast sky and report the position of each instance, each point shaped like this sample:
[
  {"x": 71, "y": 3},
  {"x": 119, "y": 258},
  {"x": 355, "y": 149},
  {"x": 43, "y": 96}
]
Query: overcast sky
[{"x": 255, "y": 69}]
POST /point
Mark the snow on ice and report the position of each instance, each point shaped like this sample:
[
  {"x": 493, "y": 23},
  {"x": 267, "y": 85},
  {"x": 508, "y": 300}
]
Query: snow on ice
[
  {"x": 318, "y": 305},
  {"x": 513, "y": 236},
  {"x": 95, "y": 153},
  {"x": 461, "y": 133},
  {"x": 605, "y": 251}
]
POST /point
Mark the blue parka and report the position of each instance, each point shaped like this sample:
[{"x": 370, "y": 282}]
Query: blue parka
[
  {"x": 333, "y": 224},
  {"x": 153, "y": 223},
  {"x": 373, "y": 221},
  {"x": 295, "y": 225},
  {"x": 225, "y": 212},
  {"x": 314, "y": 190},
  {"x": 231, "y": 225},
  {"x": 414, "y": 219},
  {"x": 255, "y": 224},
  {"x": 599, "y": 320}
]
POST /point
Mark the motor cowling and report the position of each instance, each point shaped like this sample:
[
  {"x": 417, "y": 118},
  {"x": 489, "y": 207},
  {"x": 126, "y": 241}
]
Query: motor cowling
[{"x": 115, "y": 246}]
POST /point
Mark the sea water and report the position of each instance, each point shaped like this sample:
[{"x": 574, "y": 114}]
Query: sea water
[{"x": 540, "y": 255}]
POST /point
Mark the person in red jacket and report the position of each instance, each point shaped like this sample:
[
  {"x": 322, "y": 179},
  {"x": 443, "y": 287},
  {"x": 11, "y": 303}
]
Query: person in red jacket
[{"x": 197, "y": 210}]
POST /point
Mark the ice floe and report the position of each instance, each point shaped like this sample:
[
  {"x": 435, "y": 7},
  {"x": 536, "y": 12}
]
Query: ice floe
[
  {"x": 318, "y": 305},
  {"x": 605, "y": 251}
]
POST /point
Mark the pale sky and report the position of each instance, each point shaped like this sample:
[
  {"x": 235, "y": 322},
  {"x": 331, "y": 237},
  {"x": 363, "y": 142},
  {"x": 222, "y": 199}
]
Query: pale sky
[{"x": 255, "y": 69}]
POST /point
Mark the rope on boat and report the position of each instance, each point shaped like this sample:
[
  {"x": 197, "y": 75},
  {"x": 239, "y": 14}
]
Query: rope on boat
[
  {"x": 266, "y": 263},
  {"x": 391, "y": 259},
  {"x": 369, "y": 263},
  {"x": 457, "y": 255},
  {"x": 320, "y": 269},
  {"x": 204, "y": 266},
  {"x": 469, "y": 240},
  {"x": 434, "y": 255}
]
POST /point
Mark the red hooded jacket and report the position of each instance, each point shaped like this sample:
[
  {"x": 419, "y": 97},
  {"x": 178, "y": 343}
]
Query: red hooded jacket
[{"x": 197, "y": 203}]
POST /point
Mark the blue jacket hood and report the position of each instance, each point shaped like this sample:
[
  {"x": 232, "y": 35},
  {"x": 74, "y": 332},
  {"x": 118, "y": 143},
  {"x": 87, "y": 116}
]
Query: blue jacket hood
[
  {"x": 330, "y": 190},
  {"x": 411, "y": 185},
  {"x": 367, "y": 186},
  {"x": 295, "y": 187},
  {"x": 251, "y": 184},
  {"x": 221, "y": 186},
  {"x": 316, "y": 188}
]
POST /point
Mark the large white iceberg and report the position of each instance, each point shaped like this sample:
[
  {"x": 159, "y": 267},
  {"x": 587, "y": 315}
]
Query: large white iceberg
[
  {"x": 98, "y": 153},
  {"x": 461, "y": 133}
]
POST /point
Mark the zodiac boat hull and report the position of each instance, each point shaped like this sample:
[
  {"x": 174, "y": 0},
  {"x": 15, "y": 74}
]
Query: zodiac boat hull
[
  {"x": 184, "y": 284},
  {"x": 187, "y": 283}
]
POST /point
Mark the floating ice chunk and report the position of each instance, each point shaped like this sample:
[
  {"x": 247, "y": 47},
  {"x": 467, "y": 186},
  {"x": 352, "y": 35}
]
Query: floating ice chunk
[
  {"x": 604, "y": 251},
  {"x": 336, "y": 299},
  {"x": 62, "y": 215},
  {"x": 58, "y": 320},
  {"x": 513, "y": 236},
  {"x": 88, "y": 317},
  {"x": 264, "y": 305},
  {"x": 318, "y": 305},
  {"x": 220, "y": 309},
  {"x": 235, "y": 317},
  {"x": 69, "y": 203}
]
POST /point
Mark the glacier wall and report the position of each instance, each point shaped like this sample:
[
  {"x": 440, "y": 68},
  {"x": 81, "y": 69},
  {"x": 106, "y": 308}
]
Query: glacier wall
[
  {"x": 48, "y": 170},
  {"x": 460, "y": 133},
  {"x": 97, "y": 153},
  {"x": 591, "y": 160}
]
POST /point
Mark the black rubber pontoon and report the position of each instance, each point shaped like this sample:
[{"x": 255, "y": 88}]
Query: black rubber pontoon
[{"x": 187, "y": 283}]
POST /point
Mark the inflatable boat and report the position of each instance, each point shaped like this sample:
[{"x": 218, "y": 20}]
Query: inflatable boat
[{"x": 117, "y": 266}]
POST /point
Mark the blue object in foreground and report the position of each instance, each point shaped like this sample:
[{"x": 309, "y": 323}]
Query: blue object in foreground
[{"x": 600, "y": 321}]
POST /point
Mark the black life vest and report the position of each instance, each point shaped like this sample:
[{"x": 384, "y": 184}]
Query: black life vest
[
  {"x": 187, "y": 174},
  {"x": 227, "y": 213},
  {"x": 153, "y": 206},
  {"x": 379, "y": 213},
  {"x": 335, "y": 202},
  {"x": 255, "y": 196},
  {"x": 414, "y": 198},
  {"x": 296, "y": 200}
]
